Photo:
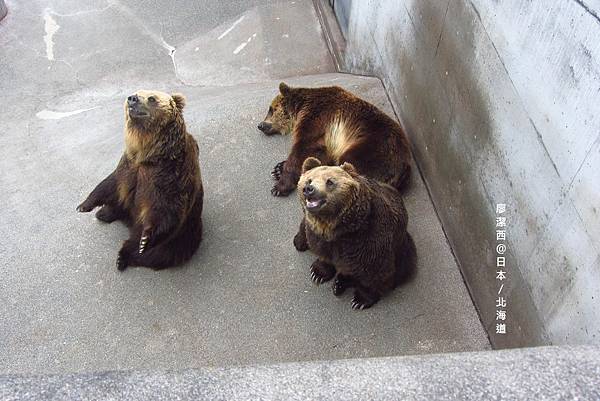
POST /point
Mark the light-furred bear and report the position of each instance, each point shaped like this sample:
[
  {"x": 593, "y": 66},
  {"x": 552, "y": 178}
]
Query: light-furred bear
[
  {"x": 336, "y": 126},
  {"x": 357, "y": 228},
  {"x": 156, "y": 188}
]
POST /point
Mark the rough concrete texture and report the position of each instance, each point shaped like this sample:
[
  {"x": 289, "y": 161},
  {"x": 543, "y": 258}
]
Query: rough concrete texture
[
  {"x": 544, "y": 373},
  {"x": 499, "y": 101},
  {"x": 245, "y": 297}
]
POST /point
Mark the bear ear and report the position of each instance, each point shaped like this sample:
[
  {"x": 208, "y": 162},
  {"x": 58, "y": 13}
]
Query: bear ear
[
  {"x": 349, "y": 168},
  {"x": 284, "y": 89},
  {"x": 179, "y": 100},
  {"x": 310, "y": 163}
]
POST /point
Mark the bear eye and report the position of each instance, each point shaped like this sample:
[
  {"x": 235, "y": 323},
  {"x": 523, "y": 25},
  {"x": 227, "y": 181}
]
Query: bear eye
[
  {"x": 152, "y": 99},
  {"x": 329, "y": 182},
  {"x": 309, "y": 181}
]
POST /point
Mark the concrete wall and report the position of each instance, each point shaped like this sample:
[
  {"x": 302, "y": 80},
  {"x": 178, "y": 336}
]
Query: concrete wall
[
  {"x": 499, "y": 99},
  {"x": 3, "y": 9}
]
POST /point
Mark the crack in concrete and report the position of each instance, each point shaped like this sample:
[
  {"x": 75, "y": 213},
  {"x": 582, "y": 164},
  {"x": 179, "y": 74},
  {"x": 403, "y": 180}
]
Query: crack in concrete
[
  {"x": 588, "y": 10},
  {"x": 539, "y": 136},
  {"x": 156, "y": 38},
  {"x": 442, "y": 28}
]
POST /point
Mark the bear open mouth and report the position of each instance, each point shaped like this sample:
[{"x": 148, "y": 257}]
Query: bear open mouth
[{"x": 314, "y": 204}]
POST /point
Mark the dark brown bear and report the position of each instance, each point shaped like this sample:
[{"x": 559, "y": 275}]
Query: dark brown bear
[
  {"x": 357, "y": 228},
  {"x": 157, "y": 188},
  {"x": 335, "y": 126}
]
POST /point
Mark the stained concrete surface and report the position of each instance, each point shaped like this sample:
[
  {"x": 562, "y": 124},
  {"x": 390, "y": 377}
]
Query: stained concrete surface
[
  {"x": 542, "y": 373},
  {"x": 245, "y": 297},
  {"x": 499, "y": 100}
]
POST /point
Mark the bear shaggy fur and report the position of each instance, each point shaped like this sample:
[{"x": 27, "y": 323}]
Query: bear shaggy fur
[
  {"x": 156, "y": 188},
  {"x": 357, "y": 228},
  {"x": 335, "y": 126}
]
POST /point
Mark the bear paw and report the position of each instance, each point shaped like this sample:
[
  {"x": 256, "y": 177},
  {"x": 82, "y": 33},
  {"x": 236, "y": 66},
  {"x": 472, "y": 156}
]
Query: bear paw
[
  {"x": 359, "y": 302},
  {"x": 321, "y": 272},
  {"x": 121, "y": 262},
  {"x": 300, "y": 242},
  {"x": 339, "y": 286},
  {"x": 277, "y": 171},
  {"x": 84, "y": 208},
  {"x": 281, "y": 189},
  {"x": 106, "y": 214}
]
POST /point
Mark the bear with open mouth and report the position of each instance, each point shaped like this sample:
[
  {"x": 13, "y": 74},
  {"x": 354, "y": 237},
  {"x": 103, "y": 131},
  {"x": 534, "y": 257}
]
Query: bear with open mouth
[{"x": 357, "y": 228}]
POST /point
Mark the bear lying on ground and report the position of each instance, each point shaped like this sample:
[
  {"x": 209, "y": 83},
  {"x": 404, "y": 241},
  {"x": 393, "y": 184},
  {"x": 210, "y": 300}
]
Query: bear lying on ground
[
  {"x": 156, "y": 188},
  {"x": 357, "y": 228},
  {"x": 335, "y": 126}
]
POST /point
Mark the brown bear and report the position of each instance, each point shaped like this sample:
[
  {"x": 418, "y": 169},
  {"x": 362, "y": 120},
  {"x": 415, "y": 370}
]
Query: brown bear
[
  {"x": 357, "y": 228},
  {"x": 156, "y": 188},
  {"x": 335, "y": 126}
]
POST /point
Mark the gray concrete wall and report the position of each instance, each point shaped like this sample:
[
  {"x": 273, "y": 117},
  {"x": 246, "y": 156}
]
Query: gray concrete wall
[
  {"x": 499, "y": 100},
  {"x": 3, "y": 9}
]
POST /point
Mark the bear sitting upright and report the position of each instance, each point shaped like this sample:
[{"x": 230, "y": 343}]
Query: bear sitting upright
[
  {"x": 156, "y": 188},
  {"x": 335, "y": 126},
  {"x": 357, "y": 228}
]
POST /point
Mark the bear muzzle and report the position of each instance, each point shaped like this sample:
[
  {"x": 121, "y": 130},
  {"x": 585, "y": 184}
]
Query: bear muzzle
[
  {"x": 313, "y": 199},
  {"x": 267, "y": 128},
  {"x": 135, "y": 108}
]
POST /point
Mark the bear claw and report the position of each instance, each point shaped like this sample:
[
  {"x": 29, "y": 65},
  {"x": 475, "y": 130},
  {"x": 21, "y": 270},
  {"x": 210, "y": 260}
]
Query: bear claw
[
  {"x": 277, "y": 170},
  {"x": 121, "y": 263},
  {"x": 358, "y": 304},
  {"x": 143, "y": 243},
  {"x": 280, "y": 189},
  {"x": 316, "y": 278},
  {"x": 83, "y": 209}
]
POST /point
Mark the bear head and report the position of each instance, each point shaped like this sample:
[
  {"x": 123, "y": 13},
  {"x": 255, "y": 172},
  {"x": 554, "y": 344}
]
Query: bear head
[
  {"x": 280, "y": 117},
  {"x": 148, "y": 108},
  {"x": 327, "y": 190}
]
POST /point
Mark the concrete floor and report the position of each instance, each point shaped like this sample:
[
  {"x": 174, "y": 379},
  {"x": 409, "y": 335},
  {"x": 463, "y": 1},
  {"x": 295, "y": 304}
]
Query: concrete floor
[{"x": 246, "y": 296}]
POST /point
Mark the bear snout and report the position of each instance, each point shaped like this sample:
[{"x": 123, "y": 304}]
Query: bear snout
[
  {"x": 264, "y": 126},
  {"x": 133, "y": 100},
  {"x": 308, "y": 190}
]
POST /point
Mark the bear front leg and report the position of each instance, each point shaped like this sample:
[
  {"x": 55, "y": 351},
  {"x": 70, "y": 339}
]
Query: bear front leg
[
  {"x": 300, "y": 241},
  {"x": 102, "y": 194},
  {"x": 287, "y": 182},
  {"x": 321, "y": 271},
  {"x": 291, "y": 168}
]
